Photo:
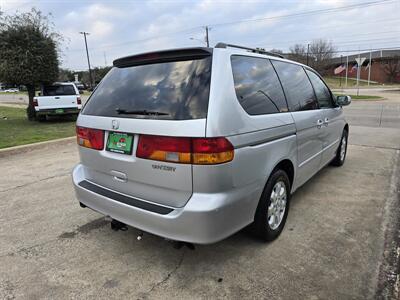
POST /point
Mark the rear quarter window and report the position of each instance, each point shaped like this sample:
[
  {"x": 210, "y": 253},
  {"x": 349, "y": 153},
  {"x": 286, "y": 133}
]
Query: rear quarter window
[
  {"x": 298, "y": 89},
  {"x": 179, "y": 90},
  {"x": 257, "y": 86}
]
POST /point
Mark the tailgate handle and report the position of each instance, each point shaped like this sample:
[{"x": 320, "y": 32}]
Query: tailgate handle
[
  {"x": 56, "y": 97},
  {"x": 119, "y": 176}
]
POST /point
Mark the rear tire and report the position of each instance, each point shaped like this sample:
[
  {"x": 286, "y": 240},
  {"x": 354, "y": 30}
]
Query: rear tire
[
  {"x": 341, "y": 151},
  {"x": 41, "y": 118},
  {"x": 273, "y": 207}
]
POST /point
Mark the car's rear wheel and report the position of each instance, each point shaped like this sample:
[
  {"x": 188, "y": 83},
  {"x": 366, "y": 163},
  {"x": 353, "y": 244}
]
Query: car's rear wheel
[
  {"x": 341, "y": 151},
  {"x": 41, "y": 118},
  {"x": 273, "y": 207}
]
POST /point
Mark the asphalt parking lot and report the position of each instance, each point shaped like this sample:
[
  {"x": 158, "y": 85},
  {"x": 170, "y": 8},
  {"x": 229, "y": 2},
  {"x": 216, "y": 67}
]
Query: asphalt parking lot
[{"x": 336, "y": 244}]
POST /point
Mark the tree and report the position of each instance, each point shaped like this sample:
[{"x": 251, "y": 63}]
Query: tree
[
  {"x": 98, "y": 73},
  {"x": 298, "y": 53},
  {"x": 65, "y": 75},
  {"x": 28, "y": 52},
  {"x": 319, "y": 54},
  {"x": 392, "y": 68},
  {"x": 277, "y": 51}
]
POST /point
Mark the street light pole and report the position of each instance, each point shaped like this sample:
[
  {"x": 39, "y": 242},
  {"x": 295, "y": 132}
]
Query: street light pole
[
  {"x": 87, "y": 54},
  {"x": 308, "y": 50}
]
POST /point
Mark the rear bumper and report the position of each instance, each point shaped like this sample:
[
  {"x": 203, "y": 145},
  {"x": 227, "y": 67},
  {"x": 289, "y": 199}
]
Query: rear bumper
[
  {"x": 66, "y": 111},
  {"x": 205, "y": 219}
]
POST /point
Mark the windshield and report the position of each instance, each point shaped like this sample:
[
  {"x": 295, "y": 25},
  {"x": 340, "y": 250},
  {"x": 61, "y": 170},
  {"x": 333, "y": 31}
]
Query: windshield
[{"x": 173, "y": 90}]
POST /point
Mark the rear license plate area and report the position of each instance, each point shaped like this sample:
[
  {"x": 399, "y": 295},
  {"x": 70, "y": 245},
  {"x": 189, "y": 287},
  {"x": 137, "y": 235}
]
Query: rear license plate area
[{"x": 119, "y": 142}]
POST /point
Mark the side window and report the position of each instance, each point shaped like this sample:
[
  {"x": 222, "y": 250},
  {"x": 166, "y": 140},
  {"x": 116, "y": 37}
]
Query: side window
[
  {"x": 321, "y": 91},
  {"x": 257, "y": 86},
  {"x": 297, "y": 87}
]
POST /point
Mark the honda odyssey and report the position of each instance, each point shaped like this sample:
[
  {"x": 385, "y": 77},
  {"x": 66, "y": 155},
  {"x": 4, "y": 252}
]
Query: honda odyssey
[{"x": 195, "y": 144}]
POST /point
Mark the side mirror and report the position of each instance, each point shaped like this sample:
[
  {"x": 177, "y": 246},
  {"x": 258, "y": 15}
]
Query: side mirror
[{"x": 343, "y": 100}]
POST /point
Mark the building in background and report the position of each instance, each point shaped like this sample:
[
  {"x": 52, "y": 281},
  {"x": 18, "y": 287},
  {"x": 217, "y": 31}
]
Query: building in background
[{"x": 385, "y": 66}]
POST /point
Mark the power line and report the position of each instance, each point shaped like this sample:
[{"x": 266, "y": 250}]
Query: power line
[
  {"x": 336, "y": 42},
  {"x": 331, "y": 26},
  {"x": 143, "y": 40},
  {"x": 310, "y": 12},
  {"x": 303, "y": 13}
]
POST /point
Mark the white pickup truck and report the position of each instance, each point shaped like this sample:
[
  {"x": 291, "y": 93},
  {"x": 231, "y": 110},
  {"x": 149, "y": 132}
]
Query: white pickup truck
[{"x": 61, "y": 98}]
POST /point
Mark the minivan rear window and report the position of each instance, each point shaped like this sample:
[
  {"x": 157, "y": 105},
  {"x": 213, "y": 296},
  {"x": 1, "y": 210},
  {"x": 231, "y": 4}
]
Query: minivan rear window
[{"x": 176, "y": 90}]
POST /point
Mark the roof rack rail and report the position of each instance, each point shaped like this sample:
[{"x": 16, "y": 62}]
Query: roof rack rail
[{"x": 254, "y": 50}]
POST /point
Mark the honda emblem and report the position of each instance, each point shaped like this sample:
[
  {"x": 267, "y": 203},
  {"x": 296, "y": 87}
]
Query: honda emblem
[{"x": 115, "y": 124}]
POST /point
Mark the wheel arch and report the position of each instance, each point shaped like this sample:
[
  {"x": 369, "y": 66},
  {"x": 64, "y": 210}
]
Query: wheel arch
[
  {"x": 287, "y": 166},
  {"x": 346, "y": 127}
]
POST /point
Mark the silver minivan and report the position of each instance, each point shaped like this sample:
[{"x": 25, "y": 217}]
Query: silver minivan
[{"x": 195, "y": 144}]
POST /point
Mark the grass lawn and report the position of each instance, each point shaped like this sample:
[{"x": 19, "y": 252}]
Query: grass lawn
[
  {"x": 15, "y": 129},
  {"x": 362, "y": 97},
  {"x": 334, "y": 82}
]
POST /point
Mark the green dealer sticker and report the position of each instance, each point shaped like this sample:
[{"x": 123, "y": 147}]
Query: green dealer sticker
[{"x": 119, "y": 143}]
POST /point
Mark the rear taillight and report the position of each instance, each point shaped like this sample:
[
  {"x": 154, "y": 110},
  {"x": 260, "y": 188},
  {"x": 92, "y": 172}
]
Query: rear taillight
[
  {"x": 35, "y": 102},
  {"x": 78, "y": 100},
  {"x": 90, "y": 138},
  {"x": 209, "y": 151},
  {"x": 174, "y": 149},
  {"x": 201, "y": 151}
]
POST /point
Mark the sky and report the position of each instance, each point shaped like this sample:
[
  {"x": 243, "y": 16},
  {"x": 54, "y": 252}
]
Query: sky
[{"x": 120, "y": 28}]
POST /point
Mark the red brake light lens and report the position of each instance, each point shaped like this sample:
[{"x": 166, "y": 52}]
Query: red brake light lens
[
  {"x": 78, "y": 100},
  {"x": 174, "y": 149},
  {"x": 35, "y": 102},
  {"x": 90, "y": 138},
  {"x": 185, "y": 150}
]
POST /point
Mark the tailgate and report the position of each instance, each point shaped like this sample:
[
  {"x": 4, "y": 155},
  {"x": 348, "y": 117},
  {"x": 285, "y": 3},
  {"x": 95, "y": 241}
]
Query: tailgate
[
  {"x": 53, "y": 102},
  {"x": 165, "y": 183},
  {"x": 162, "y": 97}
]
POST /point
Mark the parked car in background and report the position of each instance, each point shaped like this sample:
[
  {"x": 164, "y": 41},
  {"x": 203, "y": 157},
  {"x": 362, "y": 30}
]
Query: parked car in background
[
  {"x": 80, "y": 86},
  {"x": 61, "y": 98},
  {"x": 11, "y": 90},
  {"x": 195, "y": 144}
]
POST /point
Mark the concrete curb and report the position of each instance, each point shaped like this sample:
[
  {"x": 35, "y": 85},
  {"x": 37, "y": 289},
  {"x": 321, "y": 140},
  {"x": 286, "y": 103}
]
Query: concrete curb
[{"x": 29, "y": 147}]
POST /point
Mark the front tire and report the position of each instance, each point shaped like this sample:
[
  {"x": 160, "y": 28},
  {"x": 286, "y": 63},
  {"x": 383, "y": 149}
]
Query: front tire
[
  {"x": 341, "y": 151},
  {"x": 273, "y": 207}
]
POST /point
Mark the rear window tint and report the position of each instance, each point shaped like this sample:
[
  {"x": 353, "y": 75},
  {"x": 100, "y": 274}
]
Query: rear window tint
[
  {"x": 257, "y": 86},
  {"x": 177, "y": 90},
  {"x": 59, "y": 90},
  {"x": 297, "y": 87}
]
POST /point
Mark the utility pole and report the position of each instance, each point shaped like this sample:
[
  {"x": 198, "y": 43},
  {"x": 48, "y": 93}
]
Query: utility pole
[
  {"x": 308, "y": 50},
  {"x": 105, "y": 59},
  {"x": 207, "y": 40},
  {"x": 358, "y": 71},
  {"x": 341, "y": 75},
  {"x": 347, "y": 68},
  {"x": 369, "y": 66},
  {"x": 88, "y": 60}
]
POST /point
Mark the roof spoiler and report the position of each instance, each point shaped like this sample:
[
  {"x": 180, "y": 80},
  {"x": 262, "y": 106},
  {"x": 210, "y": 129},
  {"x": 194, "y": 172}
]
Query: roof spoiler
[
  {"x": 254, "y": 50},
  {"x": 162, "y": 56}
]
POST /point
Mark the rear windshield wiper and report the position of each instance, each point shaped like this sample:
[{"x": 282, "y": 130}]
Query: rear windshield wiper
[{"x": 143, "y": 112}]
